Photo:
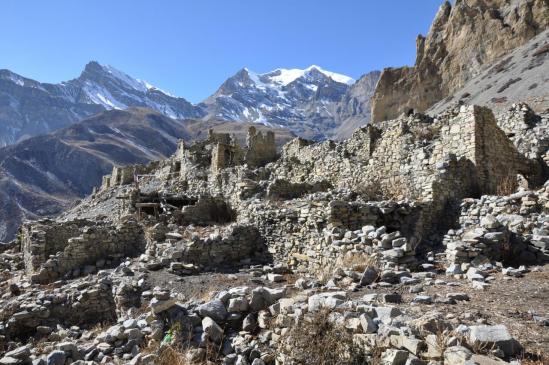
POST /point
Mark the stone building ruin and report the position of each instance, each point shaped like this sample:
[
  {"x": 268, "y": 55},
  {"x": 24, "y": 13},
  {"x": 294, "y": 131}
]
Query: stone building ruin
[{"x": 306, "y": 207}]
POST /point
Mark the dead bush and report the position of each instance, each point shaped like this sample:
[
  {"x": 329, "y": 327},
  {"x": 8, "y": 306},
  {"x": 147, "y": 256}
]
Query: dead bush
[
  {"x": 357, "y": 261},
  {"x": 170, "y": 355},
  {"x": 317, "y": 340},
  {"x": 507, "y": 185},
  {"x": 391, "y": 189},
  {"x": 537, "y": 358}
]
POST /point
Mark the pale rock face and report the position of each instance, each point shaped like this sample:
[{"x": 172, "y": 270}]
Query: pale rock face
[{"x": 461, "y": 40}]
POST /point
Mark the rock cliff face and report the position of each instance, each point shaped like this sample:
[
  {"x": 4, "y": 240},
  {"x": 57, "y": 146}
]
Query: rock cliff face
[
  {"x": 354, "y": 108},
  {"x": 462, "y": 39}
]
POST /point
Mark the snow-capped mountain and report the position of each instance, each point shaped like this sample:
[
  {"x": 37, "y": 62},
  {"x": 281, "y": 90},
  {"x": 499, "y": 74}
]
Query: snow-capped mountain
[
  {"x": 29, "y": 108},
  {"x": 304, "y": 101},
  {"x": 311, "y": 102}
]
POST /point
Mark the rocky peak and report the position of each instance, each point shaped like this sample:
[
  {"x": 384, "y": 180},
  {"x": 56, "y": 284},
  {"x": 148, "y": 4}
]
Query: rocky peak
[
  {"x": 461, "y": 40},
  {"x": 304, "y": 100}
]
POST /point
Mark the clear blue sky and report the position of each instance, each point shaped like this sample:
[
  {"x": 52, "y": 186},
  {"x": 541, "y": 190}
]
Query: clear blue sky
[{"x": 190, "y": 47}]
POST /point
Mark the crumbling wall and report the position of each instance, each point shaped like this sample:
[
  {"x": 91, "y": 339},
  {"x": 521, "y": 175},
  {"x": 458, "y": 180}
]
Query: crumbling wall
[
  {"x": 123, "y": 175},
  {"x": 82, "y": 305},
  {"x": 226, "y": 155},
  {"x": 206, "y": 211},
  {"x": 411, "y": 152},
  {"x": 225, "y": 247},
  {"x": 511, "y": 229},
  {"x": 301, "y": 232},
  {"x": 495, "y": 155},
  {"x": 49, "y": 252},
  {"x": 260, "y": 148},
  {"x": 44, "y": 238}
]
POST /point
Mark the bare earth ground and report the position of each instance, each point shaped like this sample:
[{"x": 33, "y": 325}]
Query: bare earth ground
[{"x": 508, "y": 301}]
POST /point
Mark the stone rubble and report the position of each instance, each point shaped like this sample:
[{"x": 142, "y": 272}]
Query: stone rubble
[{"x": 356, "y": 231}]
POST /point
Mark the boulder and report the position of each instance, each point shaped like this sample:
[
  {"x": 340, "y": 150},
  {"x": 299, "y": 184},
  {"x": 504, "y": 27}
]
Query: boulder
[
  {"x": 212, "y": 330},
  {"x": 494, "y": 336},
  {"x": 214, "y": 309},
  {"x": 457, "y": 355},
  {"x": 394, "y": 357},
  {"x": 326, "y": 300}
]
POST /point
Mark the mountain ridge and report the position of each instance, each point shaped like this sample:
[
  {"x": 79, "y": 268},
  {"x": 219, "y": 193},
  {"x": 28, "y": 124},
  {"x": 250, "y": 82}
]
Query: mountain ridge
[{"x": 29, "y": 107}]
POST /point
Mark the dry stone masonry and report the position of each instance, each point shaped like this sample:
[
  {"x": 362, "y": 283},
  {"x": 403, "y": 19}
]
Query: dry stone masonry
[{"x": 371, "y": 238}]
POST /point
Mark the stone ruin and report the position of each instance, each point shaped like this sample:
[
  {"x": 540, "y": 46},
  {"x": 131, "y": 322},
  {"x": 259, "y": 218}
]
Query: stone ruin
[
  {"x": 218, "y": 151},
  {"x": 310, "y": 205},
  {"x": 408, "y": 194},
  {"x": 52, "y": 250}
]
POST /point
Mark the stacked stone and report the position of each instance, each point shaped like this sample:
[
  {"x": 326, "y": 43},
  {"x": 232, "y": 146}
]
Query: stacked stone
[
  {"x": 236, "y": 244},
  {"x": 75, "y": 248},
  {"x": 70, "y": 305},
  {"x": 226, "y": 322},
  {"x": 494, "y": 228},
  {"x": 528, "y": 131}
]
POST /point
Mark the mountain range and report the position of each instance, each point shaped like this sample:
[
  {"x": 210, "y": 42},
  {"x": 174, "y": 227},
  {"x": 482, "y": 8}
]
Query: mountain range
[
  {"x": 308, "y": 102},
  {"x": 60, "y": 139},
  {"x": 43, "y": 175}
]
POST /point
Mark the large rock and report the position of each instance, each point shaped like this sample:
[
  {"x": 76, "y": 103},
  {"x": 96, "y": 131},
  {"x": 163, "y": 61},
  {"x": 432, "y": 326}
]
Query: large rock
[
  {"x": 494, "y": 336},
  {"x": 326, "y": 300},
  {"x": 461, "y": 40},
  {"x": 456, "y": 355},
  {"x": 394, "y": 357},
  {"x": 212, "y": 330},
  {"x": 214, "y": 309},
  {"x": 263, "y": 297},
  {"x": 369, "y": 276},
  {"x": 56, "y": 357}
]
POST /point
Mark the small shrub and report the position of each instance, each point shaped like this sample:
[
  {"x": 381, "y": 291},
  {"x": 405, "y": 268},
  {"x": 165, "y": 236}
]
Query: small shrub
[
  {"x": 390, "y": 189},
  {"x": 507, "y": 185},
  {"x": 317, "y": 340},
  {"x": 357, "y": 261}
]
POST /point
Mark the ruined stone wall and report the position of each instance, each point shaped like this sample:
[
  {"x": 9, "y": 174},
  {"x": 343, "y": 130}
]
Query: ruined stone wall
[
  {"x": 261, "y": 148},
  {"x": 40, "y": 240},
  {"x": 207, "y": 210},
  {"x": 226, "y": 155},
  {"x": 123, "y": 175},
  {"x": 84, "y": 304},
  {"x": 301, "y": 232},
  {"x": 409, "y": 155},
  {"x": 495, "y": 155},
  {"x": 49, "y": 252},
  {"x": 228, "y": 246}
]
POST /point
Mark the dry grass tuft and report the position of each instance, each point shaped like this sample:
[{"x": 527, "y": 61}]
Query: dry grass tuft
[
  {"x": 507, "y": 185},
  {"x": 537, "y": 358},
  {"x": 390, "y": 189},
  {"x": 317, "y": 340},
  {"x": 171, "y": 355},
  {"x": 357, "y": 261}
]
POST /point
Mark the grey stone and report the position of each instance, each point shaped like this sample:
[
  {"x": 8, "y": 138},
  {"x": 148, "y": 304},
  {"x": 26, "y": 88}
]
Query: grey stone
[
  {"x": 214, "y": 309},
  {"x": 56, "y": 358},
  {"x": 494, "y": 336},
  {"x": 394, "y": 357},
  {"x": 212, "y": 330}
]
